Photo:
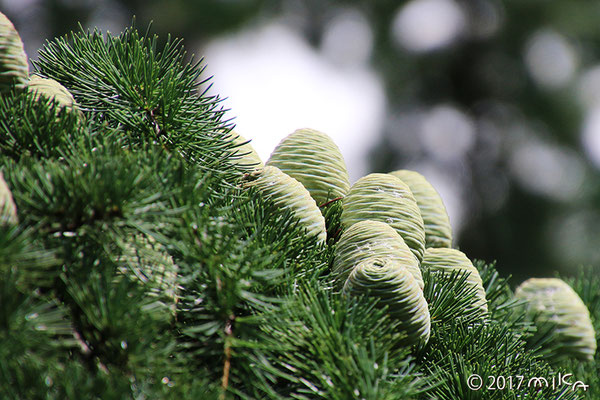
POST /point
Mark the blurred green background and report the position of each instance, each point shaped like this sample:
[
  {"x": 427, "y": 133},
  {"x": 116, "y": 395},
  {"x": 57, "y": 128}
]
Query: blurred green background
[{"x": 496, "y": 102}]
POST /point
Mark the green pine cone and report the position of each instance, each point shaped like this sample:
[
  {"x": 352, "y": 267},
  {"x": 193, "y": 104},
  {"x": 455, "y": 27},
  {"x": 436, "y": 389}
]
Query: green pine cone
[
  {"x": 372, "y": 239},
  {"x": 552, "y": 301},
  {"x": 438, "y": 232},
  {"x": 446, "y": 261},
  {"x": 246, "y": 157},
  {"x": 14, "y": 67},
  {"x": 395, "y": 288},
  {"x": 314, "y": 160},
  {"x": 51, "y": 89},
  {"x": 289, "y": 194},
  {"x": 385, "y": 198},
  {"x": 8, "y": 210},
  {"x": 148, "y": 262}
]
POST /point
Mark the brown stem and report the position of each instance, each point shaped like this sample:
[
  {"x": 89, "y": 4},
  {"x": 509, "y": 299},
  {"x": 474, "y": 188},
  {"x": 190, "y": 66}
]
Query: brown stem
[
  {"x": 227, "y": 363},
  {"x": 329, "y": 202},
  {"x": 154, "y": 122},
  {"x": 158, "y": 131}
]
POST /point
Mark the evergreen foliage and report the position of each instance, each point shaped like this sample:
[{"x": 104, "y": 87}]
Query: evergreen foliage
[{"x": 252, "y": 312}]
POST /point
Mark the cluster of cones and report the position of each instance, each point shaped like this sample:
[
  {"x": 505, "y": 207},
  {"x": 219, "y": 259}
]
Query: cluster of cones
[{"x": 395, "y": 226}]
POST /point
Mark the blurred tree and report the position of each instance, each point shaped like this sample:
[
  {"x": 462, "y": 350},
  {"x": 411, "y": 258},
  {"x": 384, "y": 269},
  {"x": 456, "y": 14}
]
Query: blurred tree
[
  {"x": 513, "y": 70},
  {"x": 490, "y": 97}
]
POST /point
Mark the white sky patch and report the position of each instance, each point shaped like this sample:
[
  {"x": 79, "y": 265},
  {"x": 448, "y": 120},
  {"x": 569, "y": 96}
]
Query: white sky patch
[
  {"x": 17, "y": 6},
  {"x": 425, "y": 25},
  {"x": 276, "y": 83},
  {"x": 550, "y": 59},
  {"x": 590, "y": 135},
  {"x": 554, "y": 171},
  {"x": 447, "y": 133},
  {"x": 588, "y": 87},
  {"x": 348, "y": 39}
]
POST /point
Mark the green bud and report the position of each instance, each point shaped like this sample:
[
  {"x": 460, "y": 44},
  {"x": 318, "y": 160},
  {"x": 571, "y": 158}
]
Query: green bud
[
  {"x": 446, "y": 261},
  {"x": 438, "y": 232},
  {"x": 289, "y": 194},
  {"x": 314, "y": 160},
  {"x": 14, "y": 68},
  {"x": 51, "y": 89},
  {"x": 385, "y": 198},
  {"x": 8, "y": 210},
  {"x": 551, "y": 302},
  {"x": 372, "y": 239},
  {"x": 245, "y": 155},
  {"x": 395, "y": 287}
]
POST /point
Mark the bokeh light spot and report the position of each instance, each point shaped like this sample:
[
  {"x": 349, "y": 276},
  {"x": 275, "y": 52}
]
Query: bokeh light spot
[
  {"x": 550, "y": 59},
  {"x": 447, "y": 133},
  {"x": 425, "y": 25}
]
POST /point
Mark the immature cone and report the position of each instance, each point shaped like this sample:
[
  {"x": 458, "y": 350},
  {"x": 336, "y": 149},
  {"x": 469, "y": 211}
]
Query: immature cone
[
  {"x": 372, "y": 239},
  {"x": 246, "y": 157},
  {"x": 314, "y": 160},
  {"x": 385, "y": 198},
  {"x": 8, "y": 210},
  {"x": 14, "y": 68},
  {"x": 289, "y": 194},
  {"x": 438, "y": 232},
  {"x": 395, "y": 288},
  {"x": 51, "y": 89},
  {"x": 148, "y": 262},
  {"x": 552, "y": 302},
  {"x": 449, "y": 260}
]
